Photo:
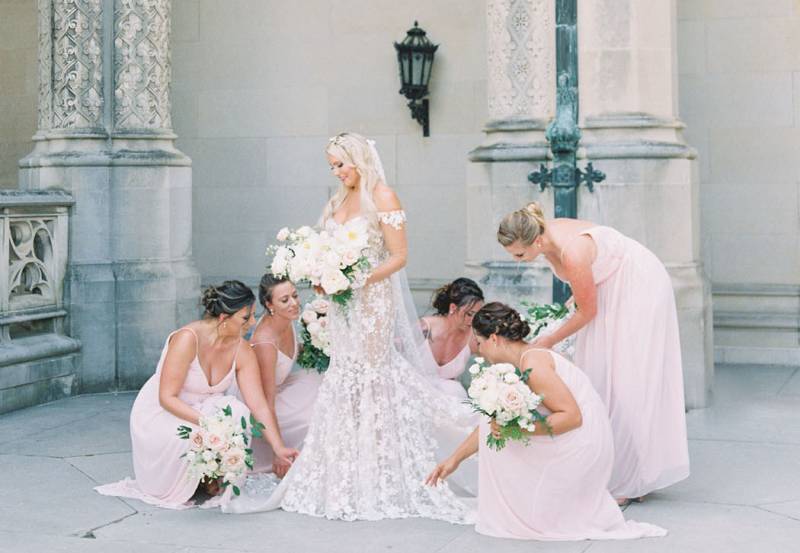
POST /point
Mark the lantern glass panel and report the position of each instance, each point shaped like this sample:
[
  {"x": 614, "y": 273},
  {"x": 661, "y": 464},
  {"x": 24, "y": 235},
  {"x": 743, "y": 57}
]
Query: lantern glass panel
[
  {"x": 416, "y": 69},
  {"x": 426, "y": 74}
]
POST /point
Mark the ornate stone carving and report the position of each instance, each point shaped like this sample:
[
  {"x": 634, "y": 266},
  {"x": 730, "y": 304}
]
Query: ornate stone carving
[
  {"x": 141, "y": 65},
  {"x": 521, "y": 56},
  {"x": 31, "y": 269},
  {"x": 71, "y": 64}
]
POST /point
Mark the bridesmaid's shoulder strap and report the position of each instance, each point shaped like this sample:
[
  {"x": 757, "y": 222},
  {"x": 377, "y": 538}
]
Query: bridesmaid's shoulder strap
[
  {"x": 196, "y": 339},
  {"x": 527, "y": 351}
]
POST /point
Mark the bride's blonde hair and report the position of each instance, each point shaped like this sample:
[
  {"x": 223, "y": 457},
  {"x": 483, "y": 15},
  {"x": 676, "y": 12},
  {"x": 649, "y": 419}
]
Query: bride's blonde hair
[
  {"x": 525, "y": 225},
  {"x": 354, "y": 149}
]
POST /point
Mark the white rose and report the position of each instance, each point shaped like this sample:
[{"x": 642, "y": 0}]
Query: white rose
[
  {"x": 511, "y": 378},
  {"x": 349, "y": 258},
  {"x": 320, "y": 306},
  {"x": 512, "y": 400},
  {"x": 487, "y": 399},
  {"x": 208, "y": 455},
  {"x": 474, "y": 369},
  {"x": 304, "y": 231},
  {"x": 309, "y": 317},
  {"x": 314, "y": 328},
  {"x": 503, "y": 368},
  {"x": 334, "y": 281},
  {"x": 480, "y": 360},
  {"x": 283, "y": 234}
]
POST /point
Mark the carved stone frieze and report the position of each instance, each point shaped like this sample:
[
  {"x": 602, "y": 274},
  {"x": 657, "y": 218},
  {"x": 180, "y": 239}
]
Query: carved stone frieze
[
  {"x": 141, "y": 65},
  {"x": 71, "y": 65},
  {"x": 521, "y": 57}
]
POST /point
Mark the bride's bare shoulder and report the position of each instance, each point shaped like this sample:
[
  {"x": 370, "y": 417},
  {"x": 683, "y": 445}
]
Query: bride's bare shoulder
[{"x": 385, "y": 198}]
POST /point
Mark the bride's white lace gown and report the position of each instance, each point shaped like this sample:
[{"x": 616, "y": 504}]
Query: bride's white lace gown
[{"x": 369, "y": 446}]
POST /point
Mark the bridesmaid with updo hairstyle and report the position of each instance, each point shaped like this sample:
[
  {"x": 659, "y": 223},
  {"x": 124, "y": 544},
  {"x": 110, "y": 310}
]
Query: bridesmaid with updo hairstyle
[
  {"x": 448, "y": 333},
  {"x": 555, "y": 487},
  {"x": 627, "y": 340},
  {"x": 198, "y": 364},
  {"x": 290, "y": 394}
]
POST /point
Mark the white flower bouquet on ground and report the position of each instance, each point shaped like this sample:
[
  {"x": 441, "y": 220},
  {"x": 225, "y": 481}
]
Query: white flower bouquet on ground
[
  {"x": 218, "y": 449},
  {"x": 501, "y": 391},
  {"x": 334, "y": 261},
  {"x": 545, "y": 319},
  {"x": 315, "y": 352}
]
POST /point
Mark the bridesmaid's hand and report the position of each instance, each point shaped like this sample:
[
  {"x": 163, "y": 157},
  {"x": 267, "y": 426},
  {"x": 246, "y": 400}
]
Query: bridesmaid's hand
[
  {"x": 496, "y": 432},
  {"x": 284, "y": 457},
  {"x": 442, "y": 471},
  {"x": 319, "y": 290}
]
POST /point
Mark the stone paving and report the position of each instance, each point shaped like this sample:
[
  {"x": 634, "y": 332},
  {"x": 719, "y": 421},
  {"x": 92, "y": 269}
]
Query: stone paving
[{"x": 743, "y": 495}]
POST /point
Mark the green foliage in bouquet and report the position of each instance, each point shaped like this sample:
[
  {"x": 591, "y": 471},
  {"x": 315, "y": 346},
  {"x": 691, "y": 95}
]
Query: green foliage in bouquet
[
  {"x": 311, "y": 357},
  {"x": 539, "y": 316}
]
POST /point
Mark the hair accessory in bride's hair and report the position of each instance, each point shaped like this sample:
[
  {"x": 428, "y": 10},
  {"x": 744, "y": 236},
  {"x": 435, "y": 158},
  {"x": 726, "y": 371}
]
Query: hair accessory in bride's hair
[{"x": 336, "y": 140}]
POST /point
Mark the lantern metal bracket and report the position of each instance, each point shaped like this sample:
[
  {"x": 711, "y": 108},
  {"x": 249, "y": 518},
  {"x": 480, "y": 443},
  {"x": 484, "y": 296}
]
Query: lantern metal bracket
[
  {"x": 544, "y": 177},
  {"x": 419, "y": 112}
]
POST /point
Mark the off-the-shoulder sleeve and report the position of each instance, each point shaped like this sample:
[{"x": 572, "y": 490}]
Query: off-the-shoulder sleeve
[{"x": 395, "y": 218}]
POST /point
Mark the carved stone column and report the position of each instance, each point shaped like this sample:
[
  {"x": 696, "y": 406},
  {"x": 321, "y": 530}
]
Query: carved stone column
[
  {"x": 105, "y": 135},
  {"x": 521, "y": 101},
  {"x": 628, "y": 95}
]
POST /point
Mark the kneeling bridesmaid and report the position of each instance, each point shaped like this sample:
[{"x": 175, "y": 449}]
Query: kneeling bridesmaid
[
  {"x": 198, "y": 364},
  {"x": 555, "y": 487}
]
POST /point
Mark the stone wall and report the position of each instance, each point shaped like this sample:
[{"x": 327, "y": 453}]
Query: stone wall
[
  {"x": 260, "y": 86},
  {"x": 18, "y": 85},
  {"x": 739, "y": 64}
]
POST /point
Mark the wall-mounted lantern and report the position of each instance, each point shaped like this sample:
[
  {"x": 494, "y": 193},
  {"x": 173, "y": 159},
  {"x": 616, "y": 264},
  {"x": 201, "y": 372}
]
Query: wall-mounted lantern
[{"x": 415, "y": 58}]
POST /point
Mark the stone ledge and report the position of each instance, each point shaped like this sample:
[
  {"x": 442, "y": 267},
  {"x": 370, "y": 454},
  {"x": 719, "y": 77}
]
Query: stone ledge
[
  {"x": 32, "y": 348},
  {"x": 37, "y": 198}
]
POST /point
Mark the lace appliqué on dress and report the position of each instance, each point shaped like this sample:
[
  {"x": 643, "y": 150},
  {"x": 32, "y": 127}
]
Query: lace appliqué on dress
[{"x": 395, "y": 218}]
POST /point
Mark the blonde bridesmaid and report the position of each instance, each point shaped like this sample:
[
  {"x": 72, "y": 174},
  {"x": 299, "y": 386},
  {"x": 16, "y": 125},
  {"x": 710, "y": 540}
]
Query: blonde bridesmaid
[
  {"x": 197, "y": 366},
  {"x": 554, "y": 488},
  {"x": 627, "y": 340},
  {"x": 448, "y": 333}
]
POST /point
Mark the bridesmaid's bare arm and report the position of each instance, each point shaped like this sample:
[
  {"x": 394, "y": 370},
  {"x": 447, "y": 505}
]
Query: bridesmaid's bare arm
[
  {"x": 544, "y": 381},
  {"x": 267, "y": 358},
  {"x": 393, "y": 238},
  {"x": 181, "y": 351},
  {"x": 447, "y": 467},
  {"x": 253, "y": 394},
  {"x": 576, "y": 264}
]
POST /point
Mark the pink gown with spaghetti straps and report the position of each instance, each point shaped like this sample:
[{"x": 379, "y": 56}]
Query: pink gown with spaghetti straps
[
  {"x": 295, "y": 397},
  {"x": 555, "y": 488},
  {"x": 448, "y": 374},
  {"x": 161, "y": 472},
  {"x": 631, "y": 352}
]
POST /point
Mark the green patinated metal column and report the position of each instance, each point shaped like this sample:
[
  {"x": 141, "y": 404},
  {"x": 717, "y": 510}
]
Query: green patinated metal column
[{"x": 563, "y": 133}]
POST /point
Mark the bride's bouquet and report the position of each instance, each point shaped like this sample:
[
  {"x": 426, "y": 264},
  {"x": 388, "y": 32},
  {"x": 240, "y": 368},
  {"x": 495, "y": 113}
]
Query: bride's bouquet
[
  {"x": 545, "y": 319},
  {"x": 315, "y": 352},
  {"x": 501, "y": 391},
  {"x": 219, "y": 447},
  {"x": 334, "y": 261}
]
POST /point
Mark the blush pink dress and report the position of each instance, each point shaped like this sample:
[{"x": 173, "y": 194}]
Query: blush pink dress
[
  {"x": 295, "y": 397},
  {"x": 631, "y": 352},
  {"x": 161, "y": 472},
  {"x": 555, "y": 488},
  {"x": 448, "y": 374}
]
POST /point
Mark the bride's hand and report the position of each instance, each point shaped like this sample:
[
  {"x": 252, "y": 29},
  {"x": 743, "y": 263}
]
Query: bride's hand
[{"x": 442, "y": 471}]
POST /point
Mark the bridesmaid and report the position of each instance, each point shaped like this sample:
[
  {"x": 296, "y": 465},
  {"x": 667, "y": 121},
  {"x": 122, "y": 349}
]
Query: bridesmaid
[
  {"x": 627, "y": 340},
  {"x": 554, "y": 488},
  {"x": 197, "y": 365},
  {"x": 448, "y": 333},
  {"x": 291, "y": 395}
]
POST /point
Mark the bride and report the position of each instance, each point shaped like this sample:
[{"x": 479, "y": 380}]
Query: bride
[{"x": 370, "y": 443}]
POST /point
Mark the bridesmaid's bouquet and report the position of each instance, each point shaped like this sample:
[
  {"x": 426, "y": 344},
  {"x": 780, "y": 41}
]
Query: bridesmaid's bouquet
[
  {"x": 315, "y": 352},
  {"x": 333, "y": 260},
  {"x": 501, "y": 391},
  {"x": 219, "y": 447},
  {"x": 547, "y": 318}
]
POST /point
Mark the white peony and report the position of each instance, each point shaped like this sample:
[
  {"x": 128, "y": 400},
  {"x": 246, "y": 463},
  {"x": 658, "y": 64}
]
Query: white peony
[
  {"x": 283, "y": 234},
  {"x": 512, "y": 400},
  {"x": 304, "y": 231}
]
